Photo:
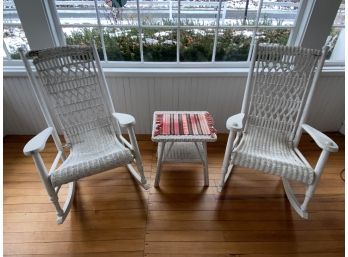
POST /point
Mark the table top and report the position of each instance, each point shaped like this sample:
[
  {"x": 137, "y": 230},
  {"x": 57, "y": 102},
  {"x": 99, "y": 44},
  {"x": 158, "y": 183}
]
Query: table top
[{"x": 184, "y": 130}]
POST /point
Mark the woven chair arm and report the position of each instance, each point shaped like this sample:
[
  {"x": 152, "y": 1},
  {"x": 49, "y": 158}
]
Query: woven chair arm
[
  {"x": 235, "y": 121},
  {"x": 125, "y": 120},
  {"x": 37, "y": 143},
  {"x": 323, "y": 141}
]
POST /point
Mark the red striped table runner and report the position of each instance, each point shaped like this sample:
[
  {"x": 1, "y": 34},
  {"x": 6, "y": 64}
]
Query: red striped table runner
[{"x": 180, "y": 124}]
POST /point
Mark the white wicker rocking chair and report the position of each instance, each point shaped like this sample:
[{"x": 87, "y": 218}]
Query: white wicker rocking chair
[
  {"x": 73, "y": 87},
  {"x": 265, "y": 135}
]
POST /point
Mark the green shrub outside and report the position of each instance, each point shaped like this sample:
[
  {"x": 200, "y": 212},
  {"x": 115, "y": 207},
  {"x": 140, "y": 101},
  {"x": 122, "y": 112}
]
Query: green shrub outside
[
  {"x": 232, "y": 45},
  {"x": 165, "y": 48},
  {"x": 196, "y": 45}
]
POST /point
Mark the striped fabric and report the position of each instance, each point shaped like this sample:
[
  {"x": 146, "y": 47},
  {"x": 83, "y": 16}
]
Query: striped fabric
[{"x": 180, "y": 124}]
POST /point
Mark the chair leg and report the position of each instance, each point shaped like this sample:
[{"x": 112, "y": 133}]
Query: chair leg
[
  {"x": 226, "y": 167},
  {"x": 53, "y": 193},
  {"x": 138, "y": 174},
  {"x": 301, "y": 209},
  {"x": 293, "y": 200},
  {"x": 68, "y": 202}
]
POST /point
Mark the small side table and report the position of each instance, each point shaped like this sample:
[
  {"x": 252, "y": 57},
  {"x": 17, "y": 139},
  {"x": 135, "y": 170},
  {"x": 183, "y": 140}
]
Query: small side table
[{"x": 182, "y": 137}]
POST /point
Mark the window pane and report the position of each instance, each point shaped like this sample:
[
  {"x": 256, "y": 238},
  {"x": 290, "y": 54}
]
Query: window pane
[
  {"x": 13, "y": 33},
  {"x": 233, "y": 45},
  {"x": 161, "y": 13},
  {"x": 196, "y": 45},
  {"x": 339, "y": 20},
  {"x": 274, "y": 36},
  {"x": 198, "y": 13},
  {"x": 83, "y": 36},
  {"x": 10, "y": 14},
  {"x": 335, "y": 41},
  {"x": 76, "y": 12},
  {"x": 238, "y": 13},
  {"x": 159, "y": 45},
  {"x": 122, "y": 44},
  {"x": 279, "y": 13},
  {"x": 14, "y": 38},
  {"x": 126, "y": 15}
]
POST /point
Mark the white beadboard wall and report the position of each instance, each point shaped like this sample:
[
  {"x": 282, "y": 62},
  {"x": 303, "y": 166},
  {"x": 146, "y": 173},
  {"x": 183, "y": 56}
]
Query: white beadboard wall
[{"x": 140, "y": 95}]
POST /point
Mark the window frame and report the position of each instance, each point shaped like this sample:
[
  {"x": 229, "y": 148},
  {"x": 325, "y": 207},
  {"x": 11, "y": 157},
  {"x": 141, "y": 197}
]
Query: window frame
[
  {"x": 5, "y": 48},
  {"x": 330, "y": 62},
  {"x": 178, "y": 27},
  {"x": 120, "y": 65}
]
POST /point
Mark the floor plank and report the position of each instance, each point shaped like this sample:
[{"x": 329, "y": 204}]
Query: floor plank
[{"x": 112, "y": 216}]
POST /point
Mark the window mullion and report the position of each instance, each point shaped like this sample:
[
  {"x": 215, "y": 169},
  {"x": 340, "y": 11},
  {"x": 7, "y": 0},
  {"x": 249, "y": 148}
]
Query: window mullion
[
  {"x": 6, "y": 50},
  {"x": 140, "y": 30},
  {"x": 216, "y": 32},
  {"x": 295, "y": 28},
  {"x": 100, "y": 31},
  {"x": 255, "y": 29},
  {"x": 170, "y": 9},
  {"x": 178, "y": 40}
]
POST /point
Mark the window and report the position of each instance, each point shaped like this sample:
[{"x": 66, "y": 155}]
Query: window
[
  {"x": 336, "y": 38},
  {"x": 13, "y": 33},
  {"x": 177, "y": 31}
]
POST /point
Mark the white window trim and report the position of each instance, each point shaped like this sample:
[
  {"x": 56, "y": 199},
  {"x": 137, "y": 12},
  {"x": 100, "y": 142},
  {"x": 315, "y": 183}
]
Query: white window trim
[{"x": 16, "y": 69}]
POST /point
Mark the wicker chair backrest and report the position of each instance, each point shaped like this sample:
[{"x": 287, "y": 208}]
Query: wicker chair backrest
[
  {"x": 280, "y": 84},
  {"x": 73, "y": 92}
]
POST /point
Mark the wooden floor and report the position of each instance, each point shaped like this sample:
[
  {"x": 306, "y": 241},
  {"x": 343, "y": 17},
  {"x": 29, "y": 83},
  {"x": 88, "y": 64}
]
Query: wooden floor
[{"x": 113, "y": 216}]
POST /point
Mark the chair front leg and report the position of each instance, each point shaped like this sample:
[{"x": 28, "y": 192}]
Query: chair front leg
[
  {"x": 318, "y": 170},
  {"x": 225, "y": 171},
  {"x": 301, "y": 209},
  {"x": 49, "y": 188},
  {"x": 138, "y": 161}
]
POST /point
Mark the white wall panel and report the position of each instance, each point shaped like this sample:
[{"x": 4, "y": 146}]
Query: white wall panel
[{"x": 142, "y": 95}]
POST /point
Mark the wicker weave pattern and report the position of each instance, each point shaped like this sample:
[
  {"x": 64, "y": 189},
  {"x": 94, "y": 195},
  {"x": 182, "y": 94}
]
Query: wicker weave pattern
[
  {"x": 71, "y": 83},
  {"x": 72, "y": 86},
  {"x": 280, "y": 85},
  {"x": 268, "y": 151},
  {"x": 81, "y": 165}
]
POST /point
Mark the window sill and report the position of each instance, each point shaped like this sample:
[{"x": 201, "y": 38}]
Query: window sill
[{"x": 16, "y": 69}]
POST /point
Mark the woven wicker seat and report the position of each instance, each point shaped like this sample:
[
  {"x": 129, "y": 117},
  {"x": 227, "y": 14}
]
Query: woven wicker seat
[
  {"x": 265, "y": 135},
  {"x": 266, "y": 151},
  {"x": 72, "y": 86},
  {"x": 79, "y": 165}
]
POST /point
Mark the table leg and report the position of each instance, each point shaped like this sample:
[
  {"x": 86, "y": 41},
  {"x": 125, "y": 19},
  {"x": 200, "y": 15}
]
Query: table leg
[
  {"x": 160, "y": 152},
  {"x": 205, "y": 164}
]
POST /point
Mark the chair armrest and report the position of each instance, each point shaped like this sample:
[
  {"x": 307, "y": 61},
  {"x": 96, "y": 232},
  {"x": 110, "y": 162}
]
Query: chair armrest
[
  {"x": 125, "y": 120},
  {"x": 37, "y": 143},
  {"x": 323, "y": 141},
  {"x": 235, "y": 121}
]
